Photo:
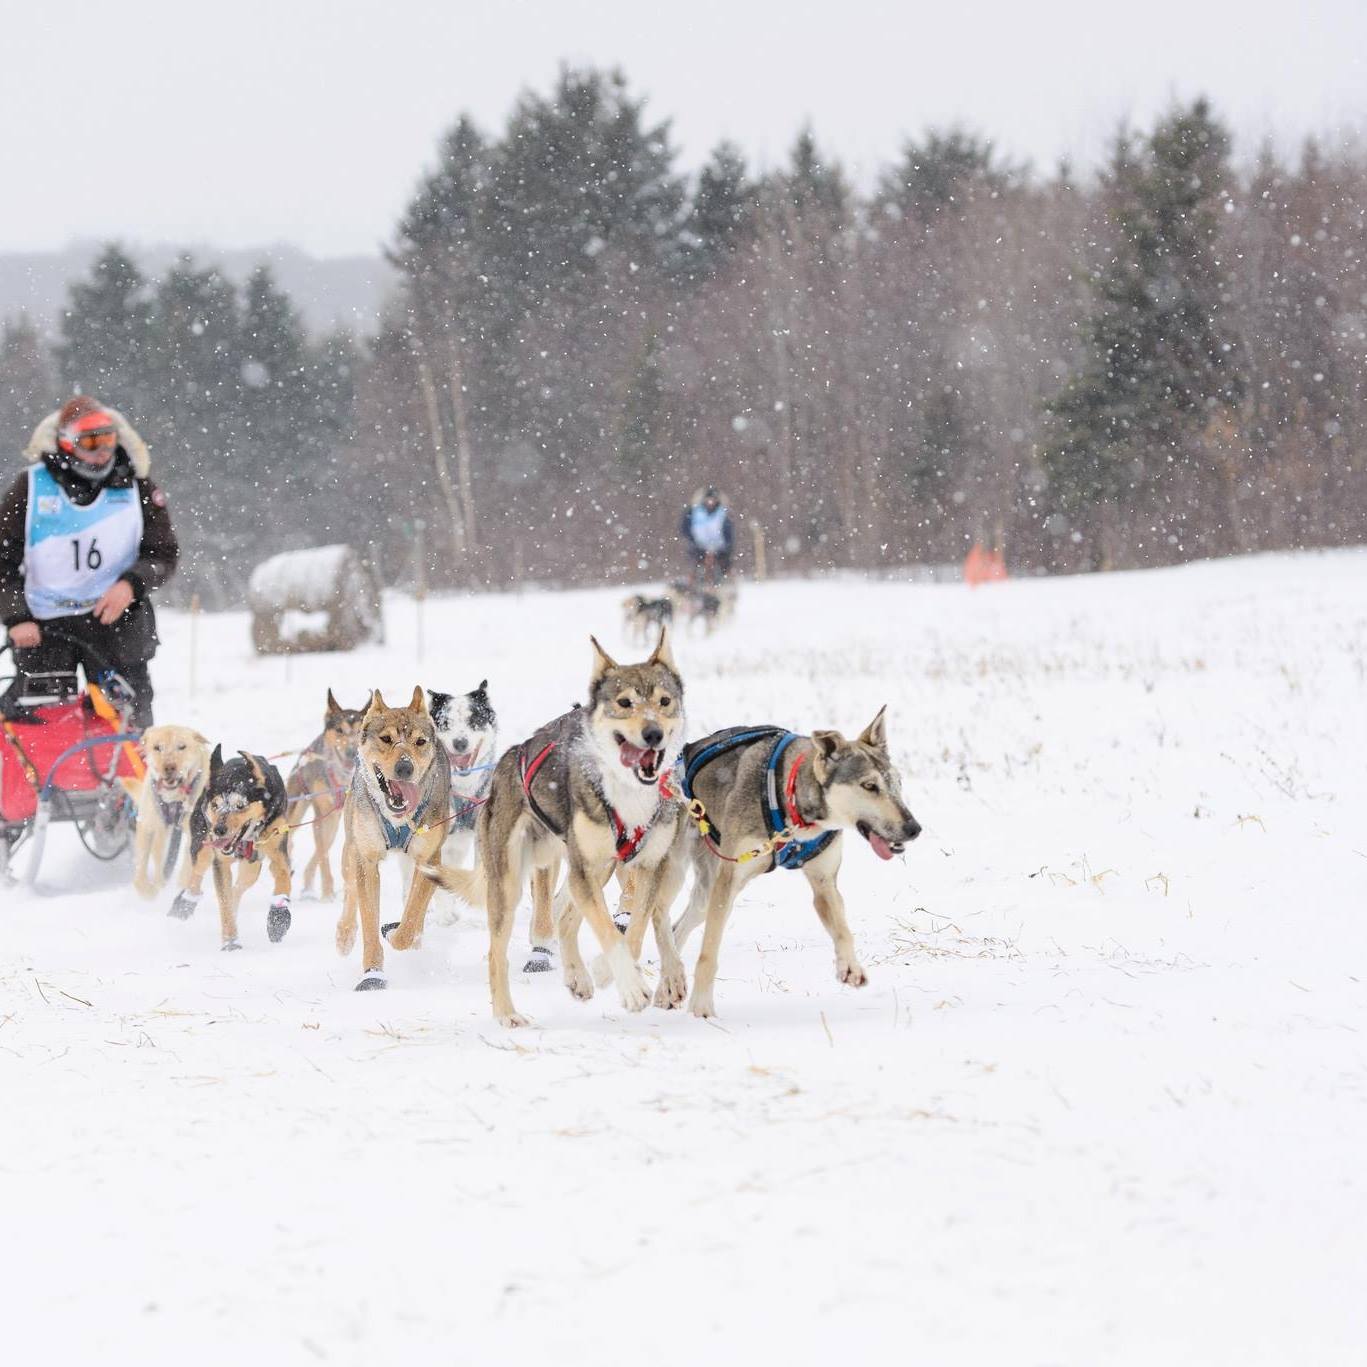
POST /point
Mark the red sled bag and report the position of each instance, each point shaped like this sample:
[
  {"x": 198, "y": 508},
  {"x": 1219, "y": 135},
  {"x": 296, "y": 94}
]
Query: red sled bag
[{"x": 35, "y": 750}]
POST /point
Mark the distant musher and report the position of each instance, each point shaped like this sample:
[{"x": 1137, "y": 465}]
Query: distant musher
[
  {"x": 84, "y": 539},
  {"x": 707, "y": 532}
]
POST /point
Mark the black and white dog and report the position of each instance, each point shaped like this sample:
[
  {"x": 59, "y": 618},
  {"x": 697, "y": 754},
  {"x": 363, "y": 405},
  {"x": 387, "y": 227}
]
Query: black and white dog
[{"x": 468, "y": 727}]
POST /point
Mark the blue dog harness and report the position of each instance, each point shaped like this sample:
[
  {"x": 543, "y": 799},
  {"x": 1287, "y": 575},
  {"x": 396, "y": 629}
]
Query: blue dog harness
[
  {"x": 795, "y": 853},
  {"x": 399, "y": 837}
]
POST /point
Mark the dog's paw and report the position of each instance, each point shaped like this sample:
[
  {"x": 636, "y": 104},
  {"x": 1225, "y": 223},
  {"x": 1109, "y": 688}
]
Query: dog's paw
[
  {"x": 232, "y": 944},
  {"x": 540, "y": 960},
  {"x": 278, "y": 919},
  {"x": 146, "y": 887},
  {"x": 400, "y": 938},
  {"x": 852, "y": 972},
  {"x": 372, "y": 980},
  {"x": 633, "y": 991},
  {"x": 702, "y": 1005},
  {"x": 602, "y": 970},
  {"x": 346, "y": 938},
  {"x": 512, "y": 1020},
  {"x": 183, "y": 907},
  {"x": 578, "y": 982},
  {"x": 671, "y": 990}
]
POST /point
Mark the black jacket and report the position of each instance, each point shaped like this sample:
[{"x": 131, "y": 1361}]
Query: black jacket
[{"x": 135, "y": 633}]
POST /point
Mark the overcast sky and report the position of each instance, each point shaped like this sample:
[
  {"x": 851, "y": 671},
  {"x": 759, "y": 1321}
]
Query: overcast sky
[{"x": 258, "y": 121}]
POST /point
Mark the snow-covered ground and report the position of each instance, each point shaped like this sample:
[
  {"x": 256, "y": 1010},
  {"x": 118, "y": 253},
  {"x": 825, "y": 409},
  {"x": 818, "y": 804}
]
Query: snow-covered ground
[{"x": 1104, "y": 1099}]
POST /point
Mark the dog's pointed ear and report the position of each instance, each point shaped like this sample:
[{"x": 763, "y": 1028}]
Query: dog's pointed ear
[
  {"x": 876, "y": 732},
  {"x": 662, "y": 655},
  {"x": 602, "y": 661},
  {"x": 257, "y": 764},
  {"x": 376, "y": 703},
  {"x": 826, "y": 743},
  {"x": 216, "y": 759},
  {"x": 334, "y": 707},
  {"x": 418, "y": 703},
  {"x": 483, "y": 688}
]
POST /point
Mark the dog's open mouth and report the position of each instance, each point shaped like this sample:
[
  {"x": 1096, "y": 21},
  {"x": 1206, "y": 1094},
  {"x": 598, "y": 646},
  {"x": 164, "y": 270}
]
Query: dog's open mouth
[
  {"x": 398, "y": 796},
  {"x": 239, "y": 845},
  {"x": 884, "y": 849},
  {"x": 641, "y": 760},
  {"x": 466, "y": 760}
]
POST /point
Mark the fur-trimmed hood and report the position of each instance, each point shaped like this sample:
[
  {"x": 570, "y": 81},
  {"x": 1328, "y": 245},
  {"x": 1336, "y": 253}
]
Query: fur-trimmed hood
[{"x": 43, "y": 442}]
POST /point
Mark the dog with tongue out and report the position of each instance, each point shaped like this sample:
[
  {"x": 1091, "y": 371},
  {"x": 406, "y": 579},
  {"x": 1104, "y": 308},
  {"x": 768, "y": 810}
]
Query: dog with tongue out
[
  {"x": 589, "y": 790},
  {"x": 399, "y": 801}
]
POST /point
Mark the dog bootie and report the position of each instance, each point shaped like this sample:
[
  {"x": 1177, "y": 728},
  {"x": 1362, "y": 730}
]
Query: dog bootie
[
  {"x": 539, "y": 961},
  {"x": 184, "y": 906},
  {"x": 621, "y": 919},
  {"x": 232, "y": 944},
  {"x": 278, "y": 918},
  {"x": 373, "y": 980},
  {"x": 387, "y": 929}
]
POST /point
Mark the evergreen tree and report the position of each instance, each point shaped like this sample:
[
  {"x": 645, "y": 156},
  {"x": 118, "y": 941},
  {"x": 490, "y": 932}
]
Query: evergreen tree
[
  {"x": 1157, "y": 361},
  {"x": 106, "y": 331},
  {"x": 946, "y": 171},
  {"x": 723, "y": 215},
  {"x": 579, "y": 173},
  {"x": 221, "y": 485},
  {"x": 28, "y": 386},
  {"x": 438, "y": 242},
  {"x": 276, "y": 393},
  {"x": 812, "y": 186}
]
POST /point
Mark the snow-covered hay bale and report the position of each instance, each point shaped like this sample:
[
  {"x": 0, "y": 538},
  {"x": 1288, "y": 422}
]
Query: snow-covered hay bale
[{"x": 326, "y": 598}]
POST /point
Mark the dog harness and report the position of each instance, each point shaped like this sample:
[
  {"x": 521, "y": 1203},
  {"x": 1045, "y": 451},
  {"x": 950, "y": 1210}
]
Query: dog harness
[
  {"x": 466, "y": 809},
  {"x": 626, "y": 842},
  {"x": 399, "y": 837},
  {"x": 778, "y": 816},
  {"x": 173, "y": 807}
]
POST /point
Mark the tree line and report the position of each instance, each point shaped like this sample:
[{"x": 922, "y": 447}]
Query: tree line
[{"x": 1158, "y": 362}]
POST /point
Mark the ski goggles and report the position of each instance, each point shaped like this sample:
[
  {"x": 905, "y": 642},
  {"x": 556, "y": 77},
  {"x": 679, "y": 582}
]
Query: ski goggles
[{"x": 97, "y": 441}]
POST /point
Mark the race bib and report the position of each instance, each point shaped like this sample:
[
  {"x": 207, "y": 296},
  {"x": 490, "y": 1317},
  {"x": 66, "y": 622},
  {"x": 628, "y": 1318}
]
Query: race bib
[{"x": 73, "y": 554}]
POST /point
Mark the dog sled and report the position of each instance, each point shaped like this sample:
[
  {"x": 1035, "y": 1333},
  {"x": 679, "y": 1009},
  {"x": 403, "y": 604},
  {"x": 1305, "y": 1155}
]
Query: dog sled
[{"x": 62, "y": 753}]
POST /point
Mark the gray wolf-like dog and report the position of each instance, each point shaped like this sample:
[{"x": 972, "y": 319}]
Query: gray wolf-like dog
[
  {"x": 757, "y": 782},
  {"x": 590, "y": 789}
]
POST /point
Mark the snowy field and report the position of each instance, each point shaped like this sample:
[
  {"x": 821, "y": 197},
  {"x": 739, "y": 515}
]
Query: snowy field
[{"x": 1104, "y": 1099}]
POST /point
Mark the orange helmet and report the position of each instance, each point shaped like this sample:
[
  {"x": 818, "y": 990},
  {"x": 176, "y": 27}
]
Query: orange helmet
[{"x": 85, "y": 424}]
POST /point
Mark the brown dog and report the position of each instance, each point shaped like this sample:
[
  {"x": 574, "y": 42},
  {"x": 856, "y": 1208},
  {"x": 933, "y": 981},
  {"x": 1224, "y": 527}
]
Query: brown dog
[
  {"x": 317, "y": 786},
  {"x": 399, "y": 800}
]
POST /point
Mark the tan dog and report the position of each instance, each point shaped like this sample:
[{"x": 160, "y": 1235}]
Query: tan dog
[
  {"x": 177, "y": 770},
  {"x": 317, "y": 786},
  {"x": 240, "y": 820},
  {"x": 399, "y": 801}
]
